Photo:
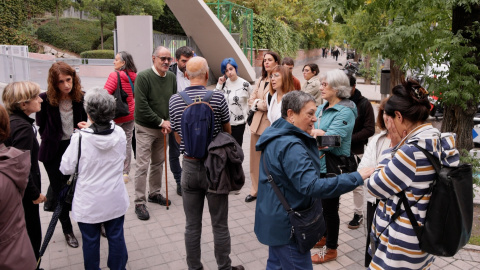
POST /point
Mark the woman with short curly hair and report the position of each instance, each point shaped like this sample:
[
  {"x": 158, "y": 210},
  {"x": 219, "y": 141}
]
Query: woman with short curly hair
[{"x": 62, "y": 111}]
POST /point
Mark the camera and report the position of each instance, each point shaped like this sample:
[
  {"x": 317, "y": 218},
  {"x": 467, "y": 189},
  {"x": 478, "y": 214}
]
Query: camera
[{"x": 329, "y": 140}]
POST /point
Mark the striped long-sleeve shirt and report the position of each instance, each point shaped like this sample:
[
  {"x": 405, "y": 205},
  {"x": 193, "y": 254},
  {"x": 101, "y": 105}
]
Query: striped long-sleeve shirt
[{"x": 407, "y": 169}]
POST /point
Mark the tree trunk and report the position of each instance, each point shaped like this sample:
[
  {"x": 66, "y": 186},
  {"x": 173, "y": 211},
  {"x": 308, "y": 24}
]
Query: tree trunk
[
  {"x": 460, "y": 121},
  {"x": 456, "y": 119},
  {"x": 367, "y": 75},
  {"x": 396, "y": 75},
  {"x": 101, "y": 33}
]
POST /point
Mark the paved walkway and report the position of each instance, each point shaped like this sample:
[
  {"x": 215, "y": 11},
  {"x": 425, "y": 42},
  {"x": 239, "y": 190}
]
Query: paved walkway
[{"x": 159, "y": 242}]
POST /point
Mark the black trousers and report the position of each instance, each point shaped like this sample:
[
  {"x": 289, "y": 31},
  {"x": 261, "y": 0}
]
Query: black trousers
[
  {"x": 34, "y": 227},
  {"x": 57, "y": 182},
  {"x": 332, "y": 221},
  {"x": 237, "y": 133}
]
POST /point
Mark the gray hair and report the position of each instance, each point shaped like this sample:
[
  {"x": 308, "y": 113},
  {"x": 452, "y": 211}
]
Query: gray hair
[
  {"x": 158, "y": 49},
  {"x": 339, "y": 81},
  {"x": 295, "y": 101},
  {"x": 199, "y": 72},
  {"x": 99, "y": 105}
]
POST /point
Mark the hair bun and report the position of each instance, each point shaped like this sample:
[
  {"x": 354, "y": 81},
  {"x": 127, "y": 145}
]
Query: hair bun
[{"x": 416, "y": 90}]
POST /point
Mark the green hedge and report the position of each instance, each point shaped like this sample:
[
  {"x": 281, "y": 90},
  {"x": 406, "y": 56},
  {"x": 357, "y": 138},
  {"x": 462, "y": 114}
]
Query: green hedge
[
  {"x": 98, "y": 54},
  {"x": 73, "y": 35}
]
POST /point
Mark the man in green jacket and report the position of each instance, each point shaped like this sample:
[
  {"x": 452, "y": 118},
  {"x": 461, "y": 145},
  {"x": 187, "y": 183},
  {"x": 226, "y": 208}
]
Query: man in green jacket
[{"x": 153, "y": 89}]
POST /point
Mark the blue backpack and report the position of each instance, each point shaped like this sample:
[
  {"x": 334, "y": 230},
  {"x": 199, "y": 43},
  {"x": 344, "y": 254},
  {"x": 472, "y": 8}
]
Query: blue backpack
[{"x": 197, "y": 125}]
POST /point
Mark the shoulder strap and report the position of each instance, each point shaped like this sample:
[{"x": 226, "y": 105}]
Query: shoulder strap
[
  {"x": 130, "y": 81},
  {"x": 208, "y": 96},
  {"x": 119, "y": 82},
  {"x": 69, "y": 182},
  {"x": 276, "y": 189},
  {"x": 185, "y": 98}
]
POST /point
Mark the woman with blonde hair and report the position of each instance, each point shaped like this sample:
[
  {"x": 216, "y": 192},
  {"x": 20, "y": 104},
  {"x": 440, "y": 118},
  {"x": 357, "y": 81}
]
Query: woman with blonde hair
[
  {"x": 22, "y": 99},
  {"x": 258, "y": 102},
  {"x": 62, "y": 111}
]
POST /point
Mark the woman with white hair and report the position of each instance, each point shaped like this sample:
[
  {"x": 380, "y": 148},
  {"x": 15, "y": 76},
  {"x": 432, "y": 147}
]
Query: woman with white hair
[
  {"x": 335, "y": 117},
  {"x": 100, "y": 193}
]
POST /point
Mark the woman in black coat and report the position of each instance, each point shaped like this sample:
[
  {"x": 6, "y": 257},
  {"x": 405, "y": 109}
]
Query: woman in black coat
[
  {"x": 22, "y": 99},
  {"x": 62, "y": 112}
]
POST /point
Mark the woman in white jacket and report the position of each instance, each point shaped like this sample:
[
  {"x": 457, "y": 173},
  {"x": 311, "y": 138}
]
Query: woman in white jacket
[
  {"x": 100, "y": 193},
  {"x": 374, "y": 153}
]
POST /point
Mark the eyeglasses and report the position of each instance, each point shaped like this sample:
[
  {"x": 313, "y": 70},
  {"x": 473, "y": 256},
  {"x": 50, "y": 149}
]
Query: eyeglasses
[
  {"x": 275, "y": 75},
  {"x": 163, "y": 58}
]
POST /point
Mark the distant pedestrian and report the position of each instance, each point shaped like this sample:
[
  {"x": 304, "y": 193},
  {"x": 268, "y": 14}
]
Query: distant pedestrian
[
  {"x": 125, "y": 68},
  {"x": 153, "y": 89}
]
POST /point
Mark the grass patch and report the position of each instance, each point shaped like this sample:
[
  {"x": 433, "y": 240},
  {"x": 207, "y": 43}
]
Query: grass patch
[{"x": 74, "y": 35}]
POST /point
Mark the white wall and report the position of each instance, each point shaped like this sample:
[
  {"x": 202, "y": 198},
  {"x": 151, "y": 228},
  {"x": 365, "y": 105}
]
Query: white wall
[{"x": 135, "y": 35}]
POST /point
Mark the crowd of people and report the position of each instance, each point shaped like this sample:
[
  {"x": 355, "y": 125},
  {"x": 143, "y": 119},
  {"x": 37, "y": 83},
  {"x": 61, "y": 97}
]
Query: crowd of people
[{"x": 80, "y": 134}]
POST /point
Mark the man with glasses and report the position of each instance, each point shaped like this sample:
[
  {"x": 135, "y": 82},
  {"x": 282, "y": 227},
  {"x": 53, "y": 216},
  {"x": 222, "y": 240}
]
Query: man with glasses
[
  {"x": 153, "y": 89},
  {"x": 183, "y": 54}
]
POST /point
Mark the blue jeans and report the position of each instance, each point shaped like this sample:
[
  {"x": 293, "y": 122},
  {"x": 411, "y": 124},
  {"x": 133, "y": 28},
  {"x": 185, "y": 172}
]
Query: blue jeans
[
  {"x": 194, "y": 186},
  {"x": 117, "y": 249},
  {"x": 174, "y": 157},
  {"x": 287, "y": 257}
]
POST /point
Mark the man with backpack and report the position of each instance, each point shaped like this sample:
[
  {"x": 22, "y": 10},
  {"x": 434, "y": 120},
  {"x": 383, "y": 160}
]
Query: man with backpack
[
  {"x": 153, "y": 89},
  {"x": 208, "y": 113}
]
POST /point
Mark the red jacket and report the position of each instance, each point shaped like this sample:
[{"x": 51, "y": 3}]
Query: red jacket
[{"x": 111, "y": 86}]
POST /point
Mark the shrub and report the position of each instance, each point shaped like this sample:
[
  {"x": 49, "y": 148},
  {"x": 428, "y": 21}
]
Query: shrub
[
  {"x": 107, "y": 44},
  {"x": 98, "y": 54},
  {"x": 74, "y": 35}
]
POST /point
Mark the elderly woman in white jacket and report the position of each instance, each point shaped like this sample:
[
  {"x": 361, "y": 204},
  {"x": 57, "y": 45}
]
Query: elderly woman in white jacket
[
  {"x": 374, "y": 153},
  {"x": 100, "y": 194}
]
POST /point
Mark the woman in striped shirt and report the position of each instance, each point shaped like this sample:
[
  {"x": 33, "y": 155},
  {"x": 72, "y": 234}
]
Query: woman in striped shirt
[{"x": 406, "y": 169}]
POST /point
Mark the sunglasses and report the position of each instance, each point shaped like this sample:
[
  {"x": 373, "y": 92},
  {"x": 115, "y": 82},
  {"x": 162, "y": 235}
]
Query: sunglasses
[{"x": 163, "y": 58}]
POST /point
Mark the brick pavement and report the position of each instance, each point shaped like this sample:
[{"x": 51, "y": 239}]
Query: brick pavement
[{"x": 158, "y": 243}]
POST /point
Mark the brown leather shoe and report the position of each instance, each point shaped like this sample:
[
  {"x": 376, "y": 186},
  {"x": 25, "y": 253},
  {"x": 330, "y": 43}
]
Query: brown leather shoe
[
  {"x": 71, "y": 240},
  {"x": 322, "y": 242},
  {"x": 325, "y": 255}
]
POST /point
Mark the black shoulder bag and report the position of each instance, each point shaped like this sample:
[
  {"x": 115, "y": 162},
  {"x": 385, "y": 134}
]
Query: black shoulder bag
[
  {"x": 121, "y": 105},
  {"x": 72, "y": 182},
  {"x": 308, "y": 225}
]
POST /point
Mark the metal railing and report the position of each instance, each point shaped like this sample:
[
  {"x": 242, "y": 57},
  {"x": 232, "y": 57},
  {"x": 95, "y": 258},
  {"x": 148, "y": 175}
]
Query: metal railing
[{"x": 238, "y": 20}]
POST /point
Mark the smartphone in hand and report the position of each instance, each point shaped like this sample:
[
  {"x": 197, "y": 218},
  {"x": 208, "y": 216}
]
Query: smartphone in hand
[{"x": 329, "y": 140}]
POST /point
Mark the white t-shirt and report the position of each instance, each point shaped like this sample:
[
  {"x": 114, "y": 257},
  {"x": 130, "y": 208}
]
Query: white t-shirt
[
  {"x": 237, "y": 94},
  {"x": 182, "y": 81},
  {"x": 274, "y": 109}
]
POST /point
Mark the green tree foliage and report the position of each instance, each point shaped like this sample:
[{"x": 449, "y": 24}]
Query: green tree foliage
[
  {"x": 74, "y": 35},
  {"x": 167, "y": 23},
  {"x": 14, "y": 14},
  {"x": 107, "y": 10},
  {"x": 417, "y": 34}
]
